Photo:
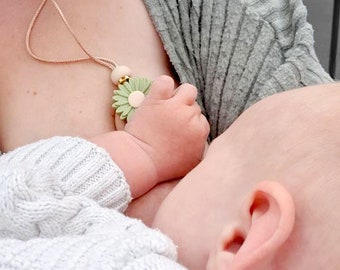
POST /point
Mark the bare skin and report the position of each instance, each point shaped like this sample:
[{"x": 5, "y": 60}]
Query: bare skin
[
  {"x": 265, "y": 195},
  {"x": 146, "y": 206},
  {"x": 39, "y": 100},
  {"x": 150, "y": 153},
  {"x": 80, "y": 93}
]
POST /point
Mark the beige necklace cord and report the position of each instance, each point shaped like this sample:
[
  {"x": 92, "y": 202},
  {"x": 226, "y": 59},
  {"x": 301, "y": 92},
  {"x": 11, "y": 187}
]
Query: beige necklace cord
[
  {"x": 100, "y": 60},
  {"x": 131, "y": 91}
]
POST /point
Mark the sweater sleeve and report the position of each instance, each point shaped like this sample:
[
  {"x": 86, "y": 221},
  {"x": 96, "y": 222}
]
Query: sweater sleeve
[
  {"x": 237, "y": 52},
  {"x": 53, "y": 212},
  {"x": 44, "y": 185},
  {"x": 73, "y": 165},
  {"x": 42, "y": 228}
]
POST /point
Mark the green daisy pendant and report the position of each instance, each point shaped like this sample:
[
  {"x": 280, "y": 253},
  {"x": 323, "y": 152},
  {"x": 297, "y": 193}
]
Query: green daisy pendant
[{"x": 129, "y": 95}]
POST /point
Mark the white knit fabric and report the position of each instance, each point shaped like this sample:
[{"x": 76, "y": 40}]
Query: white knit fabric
[{"x": 60, "y": 208}]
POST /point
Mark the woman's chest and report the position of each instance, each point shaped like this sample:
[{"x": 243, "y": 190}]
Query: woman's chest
[{"x": 39, "y": 99}]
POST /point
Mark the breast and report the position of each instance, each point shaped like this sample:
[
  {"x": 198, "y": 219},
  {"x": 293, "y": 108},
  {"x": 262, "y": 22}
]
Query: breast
[{"x": 39, "y": 100}]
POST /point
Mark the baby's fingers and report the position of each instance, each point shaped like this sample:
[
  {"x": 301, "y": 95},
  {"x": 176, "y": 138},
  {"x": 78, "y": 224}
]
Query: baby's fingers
[
  {"x": 186, "y": 93},
  {"x": 161, "y": 88},
  {"x": 201, "y": 120},
  {"x": 205, "y": 124}
]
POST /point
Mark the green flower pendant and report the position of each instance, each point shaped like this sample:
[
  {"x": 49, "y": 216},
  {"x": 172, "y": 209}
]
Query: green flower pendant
[{"x": 129, "y": 95}]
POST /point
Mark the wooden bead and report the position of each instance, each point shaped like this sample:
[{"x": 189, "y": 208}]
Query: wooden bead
[{"x": 120, "y": 72}]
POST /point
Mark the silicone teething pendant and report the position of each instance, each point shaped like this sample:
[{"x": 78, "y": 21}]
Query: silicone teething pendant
[{"x": 130, "y": 93}]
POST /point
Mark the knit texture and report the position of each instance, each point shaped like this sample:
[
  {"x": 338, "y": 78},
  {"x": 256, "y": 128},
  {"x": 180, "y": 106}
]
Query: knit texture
[
  {"x": 76, "y": 166},
  {"x": 54, "y": 199},
  {"x": 237, "y": 51}
]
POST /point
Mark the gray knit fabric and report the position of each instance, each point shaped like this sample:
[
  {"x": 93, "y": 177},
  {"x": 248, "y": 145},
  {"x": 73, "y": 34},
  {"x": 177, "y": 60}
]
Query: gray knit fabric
[
  {"x": 60, "y": 208},
  {"x": 237, "y": 51}
]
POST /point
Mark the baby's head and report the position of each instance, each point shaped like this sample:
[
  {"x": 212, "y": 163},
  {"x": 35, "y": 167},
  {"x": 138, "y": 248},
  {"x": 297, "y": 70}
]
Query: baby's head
[{"x": 266, "y": 195}]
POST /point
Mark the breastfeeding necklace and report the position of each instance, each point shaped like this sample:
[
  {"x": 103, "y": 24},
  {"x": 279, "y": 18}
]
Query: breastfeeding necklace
[{"x": 131, "y": 90}]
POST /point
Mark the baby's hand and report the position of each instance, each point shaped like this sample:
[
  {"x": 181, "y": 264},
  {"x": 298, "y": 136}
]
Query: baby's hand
[{"x": 170, "y": 128}]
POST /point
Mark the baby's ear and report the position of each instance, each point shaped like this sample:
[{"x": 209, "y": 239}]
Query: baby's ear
[{"x": 269, "y": 220}]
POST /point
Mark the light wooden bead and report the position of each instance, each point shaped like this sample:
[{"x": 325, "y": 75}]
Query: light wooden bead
[{"x": 120, "y": 72}]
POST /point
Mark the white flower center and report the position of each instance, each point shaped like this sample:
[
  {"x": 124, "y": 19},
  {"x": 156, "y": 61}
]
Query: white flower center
[{"x": 136, "y": 98}]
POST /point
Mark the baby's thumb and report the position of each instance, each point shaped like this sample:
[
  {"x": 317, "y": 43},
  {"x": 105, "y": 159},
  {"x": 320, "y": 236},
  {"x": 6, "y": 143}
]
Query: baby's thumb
[{"x": 162, "y": 88}]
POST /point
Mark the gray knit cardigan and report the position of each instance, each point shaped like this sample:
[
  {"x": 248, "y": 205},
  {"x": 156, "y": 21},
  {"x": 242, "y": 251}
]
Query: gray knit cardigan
[{"x": 237, "y": 51}]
